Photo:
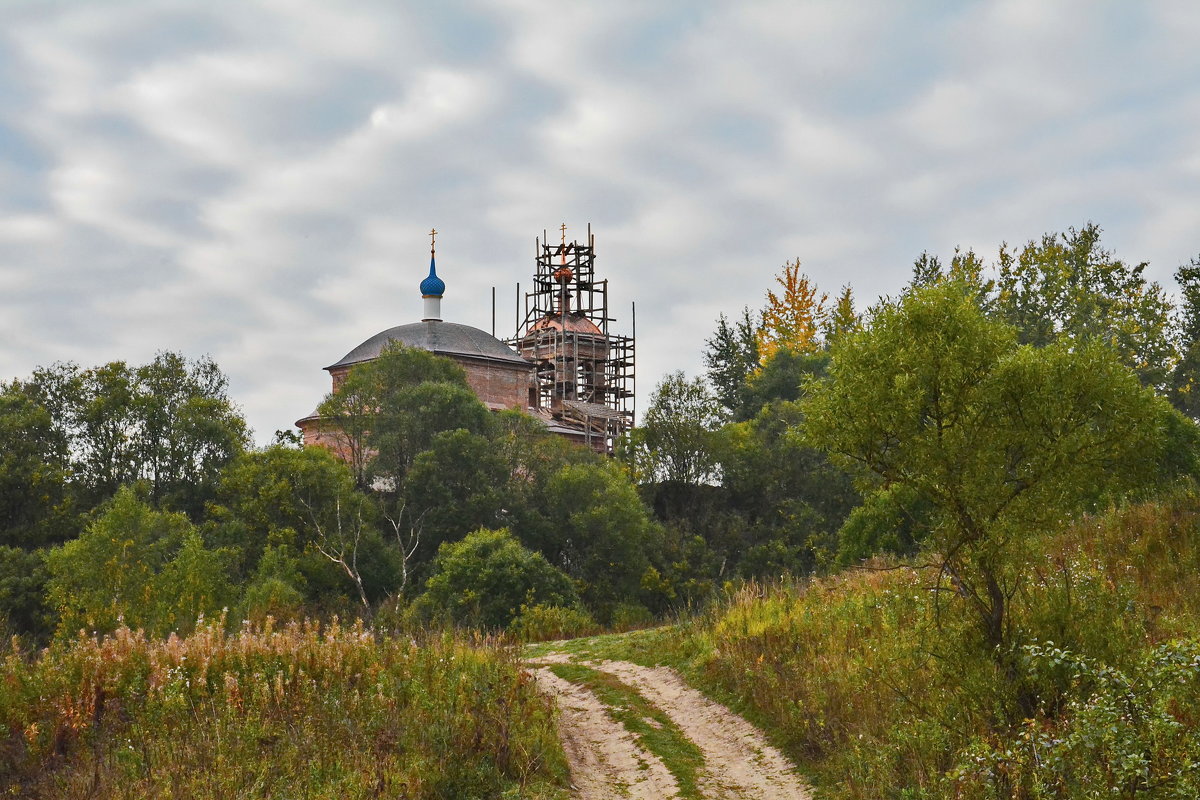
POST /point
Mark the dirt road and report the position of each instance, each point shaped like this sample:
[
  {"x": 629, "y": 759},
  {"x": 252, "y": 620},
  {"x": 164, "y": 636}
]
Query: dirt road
[{"x": 609, "y": 760}]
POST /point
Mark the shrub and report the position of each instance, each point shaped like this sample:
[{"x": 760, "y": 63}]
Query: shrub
[
  {"x": 627, "y": 616},
  {"x": 542, "y": 623},
  {"x": 1122, "y": 733},
  {"x": 485, "y": 580},
  {"x": 136, "y": 566}
]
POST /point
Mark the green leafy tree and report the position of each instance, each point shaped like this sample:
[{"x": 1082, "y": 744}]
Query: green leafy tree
[
  {"x": 731, "y": 357},
  {"x": 134, "y": 564},
  {"x": 894, "y": 520},
  {"x": 459, "y": 484},
  {"x": 306, "y": 500},
  {"x": 842, "y": 319},
  {"x": 277, "y": 587},
  {"x": 270, "y": 496},
  {"x": 169, "y": 423},
  {"x": 593, "y": 525},
  {"x": 194, "y": 582},
  {"x": 966, "y": 268},
  {"x": 488, "y": 577},
  {"x": 187, "y": 429},
  {"x": 1185, "y": 379},
  {"x": 789, "y": 497},
  {"x": 388, "y": 410},
  {"x": 675, "y": 443},
  {"x": 23, "y": 608},
  {"x": 1066, "y": 287},
  {"x": 781, "y": 378},
  {"x": 1000, "y": 439},
  {"x": 36, "y": 506},
  {"x": 418, "y": 415}
]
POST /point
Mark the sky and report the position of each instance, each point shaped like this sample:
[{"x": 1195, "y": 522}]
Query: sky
[{"x": 255, "y": 181}]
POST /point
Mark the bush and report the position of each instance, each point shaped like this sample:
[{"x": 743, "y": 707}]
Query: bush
[
  {"x": 628, "y": 616},
  {"x": 1121, "y": 733},
  {"x": 136, "y": 566},
  {"x": 543, "y": 623},
  {"x": 485, "y": 579}
]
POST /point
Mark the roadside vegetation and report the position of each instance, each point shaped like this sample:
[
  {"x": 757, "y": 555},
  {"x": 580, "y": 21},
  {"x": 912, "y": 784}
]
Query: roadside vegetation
[
  {"x": 299, "y": 711},
  {"x": 871, "y": 687}
]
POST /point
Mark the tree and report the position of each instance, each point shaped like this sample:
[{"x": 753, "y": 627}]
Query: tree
[
  {"x": 459, "y": 484},
  {"x": 1185, "y": 379},
  {"x": 1068, "y": 288},
  {"x": 675, "y": 442},
  {"x": 731, "y": 356},
  {"x": 146, "y": 568},
  {"x": 842, "y": 318},
  {"x": 794, "y": 319},
  {"x": 592, "y": 525},
  {"x": 1000, "y": 439},
  {"x": 789, "y": 498},
  {"x": 781, "y": 378},
  {"x": 36, "y": 506},
  {"x": 343, "y": 534},
  {"x": 388, "y": 410},
  {"x": 965, "y": 268},
  {"x": 895, "y": 520},
  {"x": 416, "y": 416},
  {"x": 187, "y": 429},
  {"x": 486, "y": 578},
  {"x": 304, "y": 502},
  {"x": 23, "y": 607},
  {"x": 169, "y": 423},
  {"x": 277, "y": 587}
]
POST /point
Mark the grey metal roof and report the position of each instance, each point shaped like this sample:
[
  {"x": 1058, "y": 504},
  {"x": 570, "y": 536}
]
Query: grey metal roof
[{"x": 445, "y": 338}]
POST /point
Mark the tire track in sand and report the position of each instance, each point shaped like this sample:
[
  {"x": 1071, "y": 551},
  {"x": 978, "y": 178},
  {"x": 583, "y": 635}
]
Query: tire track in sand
[
  {"x": 739, "y": 764},
  {"x": 605, "y": 759}
]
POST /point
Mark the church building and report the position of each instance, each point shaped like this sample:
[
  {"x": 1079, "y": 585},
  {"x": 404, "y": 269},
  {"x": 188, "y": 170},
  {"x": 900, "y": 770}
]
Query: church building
[{"x": 563, "y": 366}]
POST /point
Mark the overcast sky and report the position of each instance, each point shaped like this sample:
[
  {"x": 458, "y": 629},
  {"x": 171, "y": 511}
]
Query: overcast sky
[{"x": 255, "y": 180}]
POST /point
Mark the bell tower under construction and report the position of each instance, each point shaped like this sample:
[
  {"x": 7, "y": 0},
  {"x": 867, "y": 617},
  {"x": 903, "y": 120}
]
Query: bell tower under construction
[{"x": 584, "y": 372}]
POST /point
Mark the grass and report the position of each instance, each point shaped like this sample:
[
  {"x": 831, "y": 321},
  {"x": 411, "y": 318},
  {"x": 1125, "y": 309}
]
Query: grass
[
  {"x": 645, "y": 647},
  {"x": 305, "y": 711},
  {"x": 652, "y": 728}
]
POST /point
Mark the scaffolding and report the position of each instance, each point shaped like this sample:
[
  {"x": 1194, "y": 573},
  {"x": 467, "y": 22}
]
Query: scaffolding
[{"x": 585, "y": 374}]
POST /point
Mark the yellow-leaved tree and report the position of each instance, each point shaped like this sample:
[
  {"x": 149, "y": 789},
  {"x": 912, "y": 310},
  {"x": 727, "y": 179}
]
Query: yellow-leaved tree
[{"x": 793, "y": 319}]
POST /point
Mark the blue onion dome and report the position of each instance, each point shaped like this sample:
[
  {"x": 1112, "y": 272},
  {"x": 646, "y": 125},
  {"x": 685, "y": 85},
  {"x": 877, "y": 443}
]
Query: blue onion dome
[{"x": 432, "y": 286}]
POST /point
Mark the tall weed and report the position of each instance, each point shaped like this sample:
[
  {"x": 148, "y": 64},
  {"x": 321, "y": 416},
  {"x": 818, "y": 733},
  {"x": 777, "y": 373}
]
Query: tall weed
[{"x": 302, "y": 711}]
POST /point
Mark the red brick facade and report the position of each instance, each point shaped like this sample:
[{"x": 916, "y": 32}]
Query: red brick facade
[{"x": 499, "y": 384}]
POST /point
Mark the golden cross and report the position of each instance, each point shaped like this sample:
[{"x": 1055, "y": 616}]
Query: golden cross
[
  {"x": 563, "y": 249},
  {"x": 432, "y": 238}
]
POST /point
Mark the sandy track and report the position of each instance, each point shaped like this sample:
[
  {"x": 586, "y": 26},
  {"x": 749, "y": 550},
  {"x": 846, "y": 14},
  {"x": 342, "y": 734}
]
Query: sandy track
[
  {"x": 739, "y": 764},
  {"x": 605, "y": 759}
]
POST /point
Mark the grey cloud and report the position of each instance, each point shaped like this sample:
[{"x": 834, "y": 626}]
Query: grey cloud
[{"x": 256, "y": 181}]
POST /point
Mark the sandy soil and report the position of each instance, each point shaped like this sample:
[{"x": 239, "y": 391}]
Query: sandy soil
[
  {"x": 605, "y": 759},
  {"x": 739, "y": 764}
]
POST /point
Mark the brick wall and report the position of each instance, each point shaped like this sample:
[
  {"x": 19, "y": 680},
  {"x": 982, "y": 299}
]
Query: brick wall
[{"x": 499, "y": 383}]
